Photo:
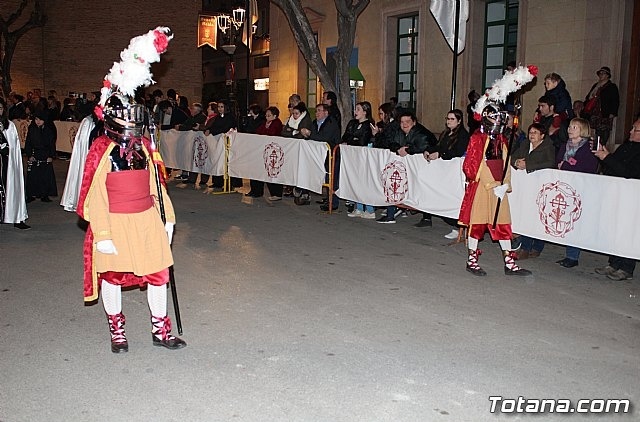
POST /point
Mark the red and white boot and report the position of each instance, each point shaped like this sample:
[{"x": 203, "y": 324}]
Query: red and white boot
[
  {"x": 472, "y": 262},
  {"x": 118, "y": 338},
  {"x": 161, "y": 334},
  {"x": 510, "y": 266}
]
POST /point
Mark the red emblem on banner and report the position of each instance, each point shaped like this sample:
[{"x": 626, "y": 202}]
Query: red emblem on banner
[
  {"x": 72, "y": 135},
  {"x": 559, "y": 207},
  {"x": 201, "y": 151},
  {"x": 273, "y": 156},
  {"x": 394, "y": 182}
]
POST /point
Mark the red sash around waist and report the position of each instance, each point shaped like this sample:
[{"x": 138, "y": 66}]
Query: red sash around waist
[
  {"x": 128, "y": 191},
  {"x": 496, "y": 167}
]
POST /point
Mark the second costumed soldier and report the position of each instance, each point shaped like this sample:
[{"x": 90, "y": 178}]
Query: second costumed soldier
[
  {"x": 127, "y": 243},
  {"x": 486, "y": 158}
]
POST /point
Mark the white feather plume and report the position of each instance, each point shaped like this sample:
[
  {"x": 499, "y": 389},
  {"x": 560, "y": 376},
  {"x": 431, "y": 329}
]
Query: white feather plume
[
  {"x": 134, "y": 69},
  {"x": 512, "y": 81}
]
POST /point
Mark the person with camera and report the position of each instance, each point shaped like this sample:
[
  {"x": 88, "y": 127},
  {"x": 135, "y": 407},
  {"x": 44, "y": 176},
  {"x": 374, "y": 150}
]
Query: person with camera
[{"x": 623, "y": 162}]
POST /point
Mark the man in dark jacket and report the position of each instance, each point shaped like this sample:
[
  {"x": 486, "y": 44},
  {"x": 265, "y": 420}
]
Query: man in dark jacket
[
  {"x": 195, "y": 120},
  {"x": 623, "y": 162},
  {"x": 412, "y": 138},
  {"x": 323, "y": 129}
]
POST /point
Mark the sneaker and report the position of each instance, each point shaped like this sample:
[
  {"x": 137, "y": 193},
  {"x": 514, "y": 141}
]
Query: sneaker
[
  {"x": 384, "y": 220},
  {"x": 401, "y": 213},
  {"x": 606, "y": 270},
  {"x": 425, "y": 222},
  {"x": 452, "y": 235},
  {"x": 275, "y": 198},
  {"x": 22, "y": 226},
  {"x": 620, "y": 275},
  {"x": 369, "y": 215},
  {"x": 355, "y": 213}
]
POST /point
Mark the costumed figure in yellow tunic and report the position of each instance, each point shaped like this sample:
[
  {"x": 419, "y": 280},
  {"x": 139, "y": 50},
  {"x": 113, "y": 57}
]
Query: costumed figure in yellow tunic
[
  {"x": 127, "y": 243},
  {"x": 487, "y": 183}
]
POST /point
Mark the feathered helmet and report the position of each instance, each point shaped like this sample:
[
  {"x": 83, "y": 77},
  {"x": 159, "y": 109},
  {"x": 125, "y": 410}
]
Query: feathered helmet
[
  {"x": 122, "y": 116},
  {"x": 488, "y": 110}
]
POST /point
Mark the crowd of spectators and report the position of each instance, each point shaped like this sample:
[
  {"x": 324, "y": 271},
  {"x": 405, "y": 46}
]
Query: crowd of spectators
[{"x": 562, "y": 135}]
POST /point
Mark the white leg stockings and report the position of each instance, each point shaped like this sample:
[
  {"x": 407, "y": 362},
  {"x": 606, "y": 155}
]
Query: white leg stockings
[
  {"x": 157, "y": 298},
  {"x": 111, "y": 298}
]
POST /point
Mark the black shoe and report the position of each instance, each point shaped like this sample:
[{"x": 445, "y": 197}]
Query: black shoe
[
  {"x": 425, "y": 222},
  {"x": 325, "y": 207},
  {"x": 519, "y": 271},
  {"x": 323, "y": 201},
  {"x": 171, "y": 342},
  {"x": 121, "y": 347},
  {"x": 21, "y": 225},
  {"x": 568, "y": 263},
  {"x": 384, "y": 220},
  {"x": 45, "y": 199},
  {"x": 476, "y": 271},
  {"x": 30, "y": 199}
]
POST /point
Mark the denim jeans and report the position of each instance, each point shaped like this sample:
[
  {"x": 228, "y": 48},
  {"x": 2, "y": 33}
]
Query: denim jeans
[
  {"x": 530, "y": 244},
  {"x": 572, "y": 253},
  {"x": 391, "y": 212},
  {"x": 364, "y": 208}
]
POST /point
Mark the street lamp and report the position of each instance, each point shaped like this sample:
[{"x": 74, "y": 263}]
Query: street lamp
[{"x": 231, "y": 25}]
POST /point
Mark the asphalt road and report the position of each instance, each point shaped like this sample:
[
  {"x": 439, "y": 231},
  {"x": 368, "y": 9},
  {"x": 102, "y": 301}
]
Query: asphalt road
[{"x": 292, "y": 314}]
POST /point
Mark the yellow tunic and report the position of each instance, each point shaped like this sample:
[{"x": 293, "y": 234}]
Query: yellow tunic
[{"x": 140, "y": 238}]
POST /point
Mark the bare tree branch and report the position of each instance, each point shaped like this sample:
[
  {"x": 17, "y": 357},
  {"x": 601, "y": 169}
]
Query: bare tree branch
[
  {"x": 9, "y": 39},
  {"x": 347, "y": 19}
]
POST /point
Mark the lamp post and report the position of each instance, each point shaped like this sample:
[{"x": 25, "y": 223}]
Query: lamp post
[{"x": 231, "y": 25}]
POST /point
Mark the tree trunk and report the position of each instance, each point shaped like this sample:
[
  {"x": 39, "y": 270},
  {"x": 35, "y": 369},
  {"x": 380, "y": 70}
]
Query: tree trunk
[
  {"x": 348, "y": 12},
  {"x": 9, "y": 39}
]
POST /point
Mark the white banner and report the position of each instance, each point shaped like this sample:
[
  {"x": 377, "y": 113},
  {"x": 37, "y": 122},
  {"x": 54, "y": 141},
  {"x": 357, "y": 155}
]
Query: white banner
[
  {"x": 288, "y": 161},
  {"x": 192, "y": 151},
  {"x": 379, "y": 177},
  {"x": 589, "y": 211}
]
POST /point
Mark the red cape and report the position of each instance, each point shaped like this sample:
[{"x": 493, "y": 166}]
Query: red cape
[{"x": 476, "y": 150}]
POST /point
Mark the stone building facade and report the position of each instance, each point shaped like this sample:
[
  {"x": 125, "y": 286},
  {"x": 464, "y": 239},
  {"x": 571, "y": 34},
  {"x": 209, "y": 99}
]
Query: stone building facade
[{"x": 572, "y": 38}]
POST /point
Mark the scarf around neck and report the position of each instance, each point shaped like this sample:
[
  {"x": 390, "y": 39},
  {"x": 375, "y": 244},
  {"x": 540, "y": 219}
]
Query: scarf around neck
[
  {"x": 293, "y": 123},
  {"x": 571, "y": 149}
]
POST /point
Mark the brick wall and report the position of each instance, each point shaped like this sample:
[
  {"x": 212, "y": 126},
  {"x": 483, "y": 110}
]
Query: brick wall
[{"x": 82, "y": 39}]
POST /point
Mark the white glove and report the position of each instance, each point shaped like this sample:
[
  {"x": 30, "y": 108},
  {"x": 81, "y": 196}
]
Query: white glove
[
  {"x": 106, "y": 247},
  {"x": 500, "y": 191},
  {"x": 169, "y": 228}
]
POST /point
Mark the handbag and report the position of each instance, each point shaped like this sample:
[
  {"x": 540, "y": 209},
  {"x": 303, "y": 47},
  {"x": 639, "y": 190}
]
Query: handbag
[{"x": 590, "y": 106}]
